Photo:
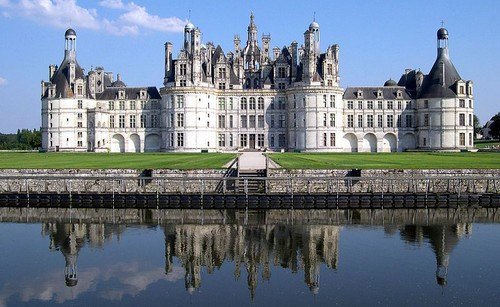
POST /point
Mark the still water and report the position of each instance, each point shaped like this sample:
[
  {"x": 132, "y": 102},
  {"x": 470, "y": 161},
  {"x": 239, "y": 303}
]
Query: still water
[{"x": 275, "y": 258}]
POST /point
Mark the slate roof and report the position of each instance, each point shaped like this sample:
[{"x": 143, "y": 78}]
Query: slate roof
[
  {"x": 111, "y": 93},
  {"x": 388, "y": 92},
  {"x": 438, "y": 84},
  {"x": 61, "y": 77}
]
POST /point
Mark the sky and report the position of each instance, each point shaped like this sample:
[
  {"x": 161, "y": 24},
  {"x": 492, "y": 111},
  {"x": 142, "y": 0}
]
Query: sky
[{"x": 378, "y": 40}]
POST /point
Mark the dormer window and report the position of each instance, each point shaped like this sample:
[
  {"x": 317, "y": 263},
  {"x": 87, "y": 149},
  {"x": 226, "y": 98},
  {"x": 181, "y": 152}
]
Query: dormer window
[
  {"x": 359, "y": 94},
  {"x": 379, "y": 94},
  {"x": 121, "y": 94},
  {"x": 462, "y": 90},
  {"x": 143, "y": 94},
  {"x": 399, "y": 94}
]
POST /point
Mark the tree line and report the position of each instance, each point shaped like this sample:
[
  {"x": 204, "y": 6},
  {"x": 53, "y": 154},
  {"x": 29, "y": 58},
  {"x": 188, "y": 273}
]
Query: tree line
[{"x": 24, "y": 139}]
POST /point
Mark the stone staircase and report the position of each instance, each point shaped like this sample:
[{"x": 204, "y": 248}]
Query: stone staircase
[{"x": 254, "y": 185}]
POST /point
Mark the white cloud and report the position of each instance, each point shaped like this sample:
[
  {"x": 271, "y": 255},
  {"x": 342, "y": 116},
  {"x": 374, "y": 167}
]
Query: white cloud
[
  {"x": 3, "y": 81},
  {"x": 112, "y": 4},
  {"x": 66, "y": 13}
]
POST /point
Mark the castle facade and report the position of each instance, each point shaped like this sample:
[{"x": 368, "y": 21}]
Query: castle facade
[{"x": 255, "y": 97}]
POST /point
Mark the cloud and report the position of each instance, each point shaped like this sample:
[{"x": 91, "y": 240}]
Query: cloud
[
  {"x": 133, "y": 19},
  {"x": 3, "y": 81}
]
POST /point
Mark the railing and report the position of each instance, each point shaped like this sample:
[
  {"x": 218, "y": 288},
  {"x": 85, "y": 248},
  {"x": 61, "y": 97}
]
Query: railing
[{"x": 273, "y": 185}]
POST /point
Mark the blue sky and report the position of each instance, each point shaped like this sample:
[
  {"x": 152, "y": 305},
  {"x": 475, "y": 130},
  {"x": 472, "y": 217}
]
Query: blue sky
[{"x": 378, "y": 40}]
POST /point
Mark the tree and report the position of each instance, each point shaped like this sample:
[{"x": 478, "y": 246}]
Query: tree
[
  {"x": 477, "y": 125},
  {"x": 495, "y": 126}
]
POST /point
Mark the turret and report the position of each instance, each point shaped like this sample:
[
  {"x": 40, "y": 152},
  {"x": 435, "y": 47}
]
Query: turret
[
  {"x": 168, "y": 62},
  {"x": 188, "y": 29},
  {"x": 70, "y": 44}
]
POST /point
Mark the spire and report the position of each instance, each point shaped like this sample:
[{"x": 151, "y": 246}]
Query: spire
[{"x": 252, "y": 30}]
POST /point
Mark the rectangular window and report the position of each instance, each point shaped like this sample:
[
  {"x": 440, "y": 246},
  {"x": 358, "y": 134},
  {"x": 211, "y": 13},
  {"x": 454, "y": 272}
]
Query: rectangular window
[
  {"x": 426, "y": 120},
  {"x": 390, "y": 105},
  {"x": 252, "y": 103},
  {"x": 243, "y": 140},
  {"x": 272, "y": 140},
  {"x": 470, "y": 139},
  {"x": 400, "y": 105},
  {"x": 222, "y": 73},
  {"x": 281, "y": 72},
  {"x": 171, "y": 139},
  {"x": 231, "y": 140},
  {"x": 282, "y": 121},
  {"x": 260, "y": 140},
  {"x": 230, "y": 103},
  {"x": 111, "y": 121},
  {"x": 243, "y": 103},
  {"x": 470, "y": 103},
  {"x": 80, "y": 134},
  {"x": 325, "y": 139},
  {"x": 143, "y": 121},
  {"x": 260, "y": 105},
  {"x": 272, "y": 121},
  {"x": 222, "y": 140},
  {"x": 180, "y": 139},
  {"x": 111, "y": 105},
  {"x": 369, "y": 121},
  {"x": 461, "y": 119},
  {"x": 462, "y": 139},
  {"x": 390, "y": 121},
  {"x": 243, "y": 121},
  {"x": 144, "y": 106},
  {"x": 260, "y": 120},
  {"x": 426, "y": 104},
  {"x": 324, "y": 101},
  {"x": 329, "y": 69},
  {"x": 182, "y": 69},
  {"x": 222, "y": 121},
  {"x": 461, "y": 103},
  {"x": 271, "y": 105},
  {"x": 251, "y": 121},
  {"x": 380, "y": 105},
  {"x": 409, "y": 121},
  {"x": 171, "y": 122},
  {"x": 360, "y": 105},
  {"x": 222, "y": 103},
  {"x": 350, "y": 105},
  {"x": 398, "y": 121},
  {"x": 154, "y": 121},
  {"x": 122, "y": 105},
  {"x": 182, "y": 83},
  {"x": 332, "y": 139},
  {"x": 360, "y": 120},
  {"x": 222, "y": 86},
  {"x": 369, "y": 105},
  {"x": 408, "y": 104},
  {"x": 282, "y": 103},
  {"x": 350, "y": 121},
  {"x": 281, "y": 86},
  {"x": 121, "y": 121},
  {"x": 180, "y": 120},
  {"x": 80, "y": 143},
  {"x": 230, "y": 121},
  {"x": 380, "y": 121},
  {"x": 180, "y": 101},
  {"x": 79, "y": 115},
  {"x": 281, "y": 140},
  {"x": 324, "y": 119},
  {"x": 470, "y": 119},
  {"x": 132, "y": 121},
  {"x": 132, "y": 105},
  {"x": 332, "y": 120},
  {"x": 80, "y": 104}
]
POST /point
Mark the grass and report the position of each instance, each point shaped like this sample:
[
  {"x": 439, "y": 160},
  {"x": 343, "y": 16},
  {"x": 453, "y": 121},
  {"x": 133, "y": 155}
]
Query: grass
[
  {"x": 486, "y": 143},
  {"x": 23, "y": 160},
  {"x": 414, "y": 160}
]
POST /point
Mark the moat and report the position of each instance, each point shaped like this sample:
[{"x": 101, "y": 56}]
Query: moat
[{"x": 135, "y": 257}]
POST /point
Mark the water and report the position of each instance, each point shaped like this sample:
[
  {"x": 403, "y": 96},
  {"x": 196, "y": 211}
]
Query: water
[{"x": 227, "y": 258}]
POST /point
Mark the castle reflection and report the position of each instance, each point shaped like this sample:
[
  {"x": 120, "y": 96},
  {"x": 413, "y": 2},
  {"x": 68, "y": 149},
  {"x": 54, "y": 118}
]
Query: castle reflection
[{"x": 251, "y": 248}]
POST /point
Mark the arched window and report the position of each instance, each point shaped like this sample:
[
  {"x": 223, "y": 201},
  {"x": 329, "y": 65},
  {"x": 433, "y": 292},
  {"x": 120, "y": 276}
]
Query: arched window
[{"x": 260, "y": 105}]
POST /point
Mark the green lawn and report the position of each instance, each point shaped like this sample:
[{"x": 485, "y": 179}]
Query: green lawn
[
  {"x": 22, "y": 160},
  {"x": 486, "y": 144},
  {"x": 413, "y": 160}
]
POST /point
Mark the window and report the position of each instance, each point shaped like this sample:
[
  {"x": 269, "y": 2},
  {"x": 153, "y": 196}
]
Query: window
[
  {"x": 260, "y": 121},
  {"x": 231, "y": 140},
  {"x": 260, "y": 105},
  {"x": 80, "y": 104},
  {"x": 330, "y": 83},
  {"x": 329, "y": 69},
  {"x": 461, "y": 119},
  {"x": 332, "y": 139},
  {"x": 281, "y": 72},
  {"x": 222, "y": 103},
  {"x": 324, "y": 101},
  {"x": 470, "y": 139},
  {"x": 222, "y": 86},
  {"x": 380, "y": 105},
  {"x": 144, "y": 106},
  {"x": 282, "y": 121},
  {"x": 243, "y": 103},
  {"x": 380, "y": 121},
  {"x": 230, "y": 121},
  {"x": 426, "y": 104},
  {"x": 325, "y": 139},
  {"x": 350, "y": 105},
  {"x": 272, "y": 121},
  {"x": 111, "y": 105},
  {"x": 180, "y": 101},
  {"x": 154, "y": 121},
  {"x": 180, "y": 120},
  {"x": 171, "y": 122},
  {"x": 462, "y": 91},
  {"x": 222, "y": 72},
  {"x": 182, "y": 83},
  {"x": 400, "y": 105},
  {"x": 230, "y": 103},
  {"x": 470, "y": 119},
  {"x": 324, "y": 119},
  {"x": 132, "y": 105},
  {"x": 282, "y": 103},
  {"x": 272, "y": 140},
  {"x": 243, "y": 121},
  {"x": 143, "y": 121},
  {"x": 182, "y": 69},
  {"x": 332, "y": 120},
  {"x": 132, "y": 121},
  {"x": 398, "y": 121},
  {"x": 281, "y": 140},
  {"x": 121, "y": 121},
  {"x": 470, "y": 103},
  {"x": 222, "y": 121},
  {"x": 390, "y": 105},
  {"x": 111, "y": 121},
  {"x": 462, "y": 139},
  {"x": 251, "y": 121},
  {"x": 360, "y": 105},
  {"x": 408, "y": 121},
  {"x": 369, "y": 121},
  {"x": 80, "y": 134},
  {"x": 390, "y": 121},
  {"x": 180, "y": 139},
  {"x": 350, "y": 121},
  {"x": 303, "y": 102},
  {"x": 122, "y": 105},
  {"x": 408, "y": 104},
  {"x": 80, "y": 144},
  {"x": 426, "y": 120},
  {"x": 243, "y": 140},
  {"x": 260, "y": 140},
  {"x": 294, "y": 120},
  {"x": 332, "y": 101},
  {"x": 461, "y": 103},
  {"x": 424, "y": 142},
  {"x": 281, "y": 86},
  {"x": 252, "y": 103},
  {"x": 222, "y": 140},
  {"x": 79, "y": 115},
  {"x": 360, "y": 120},
  {"x": 369, "y": 105}
]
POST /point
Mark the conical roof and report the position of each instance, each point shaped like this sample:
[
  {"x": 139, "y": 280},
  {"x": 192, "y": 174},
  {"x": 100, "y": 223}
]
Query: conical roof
[{"x": 440, "y": 80}]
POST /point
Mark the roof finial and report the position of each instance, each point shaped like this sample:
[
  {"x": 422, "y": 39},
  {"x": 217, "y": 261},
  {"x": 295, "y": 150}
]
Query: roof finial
[
  {"x": 442, "y": 24},
  {"x": 189, "y": 15},
  {"x": 314, "y": 16}
]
